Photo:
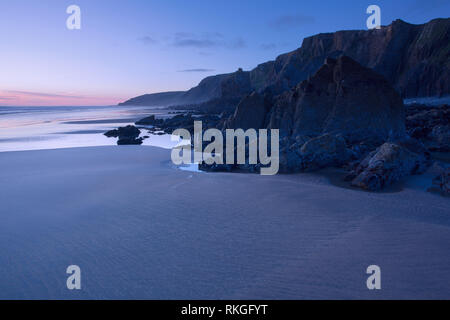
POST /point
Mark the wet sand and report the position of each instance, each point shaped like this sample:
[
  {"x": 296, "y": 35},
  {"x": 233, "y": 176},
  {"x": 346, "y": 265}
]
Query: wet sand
[{"x": 141, "y": 228}]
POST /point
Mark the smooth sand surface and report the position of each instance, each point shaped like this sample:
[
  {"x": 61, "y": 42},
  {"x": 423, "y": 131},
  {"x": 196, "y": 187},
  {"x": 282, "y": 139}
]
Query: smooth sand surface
[{"x": 141, "y": 228}]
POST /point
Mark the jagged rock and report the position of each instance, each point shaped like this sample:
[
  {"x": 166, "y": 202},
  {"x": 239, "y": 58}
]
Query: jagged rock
[
  {"x": 250, "y": 113},
  {"x": 440, "y": 138},
  {"x": 342, "y": 97},
  {"x": 326, "y": 150},
  {"x": 390, "y": 163},
  {"x": 413, "y": 58},
  {"x": 237, "y": 84},
  {"x": 150, "y": 121},
  {"x": 290, "y": 160},
  {"x": 420, "y": 133},
  {"x": 431, "y": 125},
  {"x": 129, "y": 141},
  {"x": 126, "y": 135},
  {"x": 426, "y": 116},
  {"x": 343, "y": 103},
  {"x": 128, "y": 131}
]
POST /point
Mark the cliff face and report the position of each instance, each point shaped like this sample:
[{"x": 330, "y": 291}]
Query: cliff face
[
  {"x": 223, "y": 86},
  {"x": 415, "y": 59},
  {"x": 155, "y": 99}
]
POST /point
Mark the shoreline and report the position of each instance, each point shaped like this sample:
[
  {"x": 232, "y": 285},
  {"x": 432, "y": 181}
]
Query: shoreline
[{"x": 334, "y": 175}]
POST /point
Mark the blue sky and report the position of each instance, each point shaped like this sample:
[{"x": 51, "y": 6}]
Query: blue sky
[{"x": 128, "y": 48}]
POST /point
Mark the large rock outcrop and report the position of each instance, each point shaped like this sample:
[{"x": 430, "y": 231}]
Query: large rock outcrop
[
  {"x": 342, "y": 97},
  {"x": 307, "y": 154},
  {"x": 323, "y": 151},
  {"x": 390, "y": 163},
  {"x": 339, "y": 113},
  {"x": 126, "y": 135}
]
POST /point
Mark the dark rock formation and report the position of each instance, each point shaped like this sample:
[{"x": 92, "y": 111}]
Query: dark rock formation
[
  {"x": 390, "y": 163},
  {"x": 339, "y": 114},
  {"x": 128, "y": 131},
  {"x": 335, "y": 118},
  {"x": 250, "y": 113},
  {"x": 342, "y": 97},
  {"x": 236, "y": 85},
  {"x": 431, "y": 125},
  {"x": 326, "y": 150},
  {"x": 129, "y": 141},
  {"x": 150, "y": 121},
  {"x": 126, "y": 135},
  {"x": 440, "y": 136},
  {"x": 179, "y": 121}
]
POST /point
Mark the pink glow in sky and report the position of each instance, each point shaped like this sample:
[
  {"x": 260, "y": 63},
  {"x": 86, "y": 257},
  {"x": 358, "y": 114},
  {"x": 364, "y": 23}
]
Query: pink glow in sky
[
  {"x": 128, "y": 48},
  {"x": 26, "y": 98}
]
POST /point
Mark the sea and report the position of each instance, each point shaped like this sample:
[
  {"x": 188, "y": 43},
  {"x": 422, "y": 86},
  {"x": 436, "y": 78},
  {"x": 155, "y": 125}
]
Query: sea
[{"x": 40, "y": 128}]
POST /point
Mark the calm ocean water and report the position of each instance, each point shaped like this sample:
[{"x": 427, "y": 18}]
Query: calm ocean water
[{"x": 35, "y": 128}]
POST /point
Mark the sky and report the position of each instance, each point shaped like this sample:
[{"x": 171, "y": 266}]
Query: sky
[{"x": 126, "y": 48}]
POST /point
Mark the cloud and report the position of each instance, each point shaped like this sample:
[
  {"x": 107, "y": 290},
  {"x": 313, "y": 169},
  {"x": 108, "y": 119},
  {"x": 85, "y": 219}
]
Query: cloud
[
  {"x": 183, "y": 39},
  {"x": 268, "y": 46},
  {"x": 287, "y": 21},
  {"x": 197, "y": 43},
  {"x": 147, "y": 40},
  {"x": 206, "y": 41},
  {"x": 45, "y": 95},
  {"x": 197, "y": 70},
  {"x": 238, "y": 43}
]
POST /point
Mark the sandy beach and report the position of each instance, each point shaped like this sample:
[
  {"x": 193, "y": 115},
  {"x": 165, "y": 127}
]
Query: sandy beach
[{"x": 141, "y": 228}]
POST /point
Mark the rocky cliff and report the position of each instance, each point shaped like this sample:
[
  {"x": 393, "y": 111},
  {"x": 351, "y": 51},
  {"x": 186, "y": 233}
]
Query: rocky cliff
[
  {"x": 226, "y": 87},
  {"x": 155, "y": 99},
  {"x": 415, "y": 59}
]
